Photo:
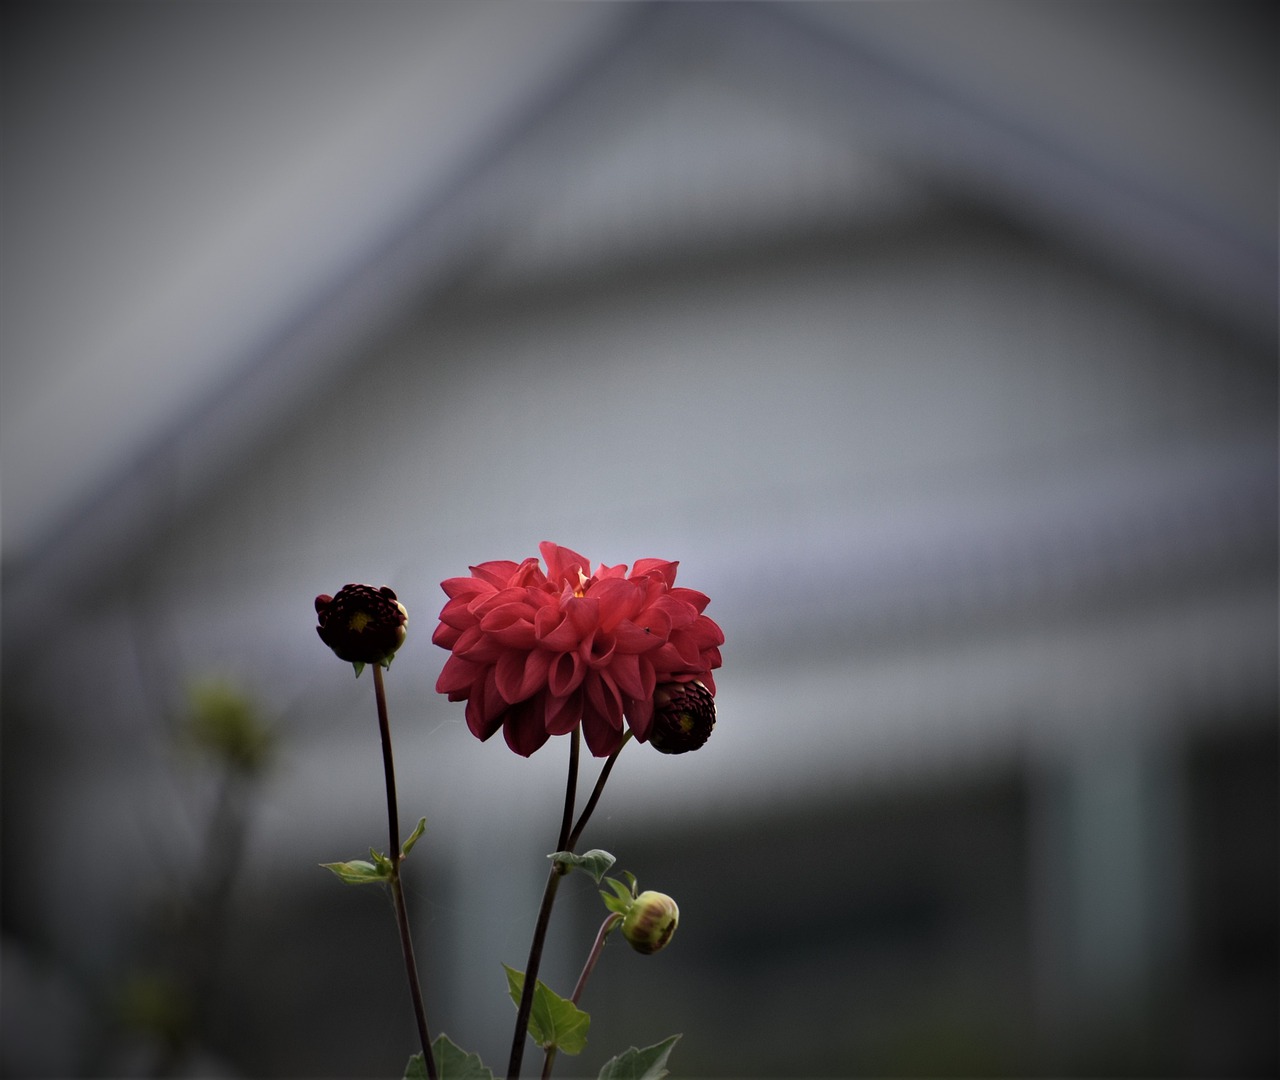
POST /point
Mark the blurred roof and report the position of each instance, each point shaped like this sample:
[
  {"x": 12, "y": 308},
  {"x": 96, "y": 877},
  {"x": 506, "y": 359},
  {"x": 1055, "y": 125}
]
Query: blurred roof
[{"x": 207, "y": 205}]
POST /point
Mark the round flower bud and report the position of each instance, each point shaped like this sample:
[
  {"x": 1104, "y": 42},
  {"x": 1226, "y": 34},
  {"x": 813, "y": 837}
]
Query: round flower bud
[
  {"x": 683, "y": 716},
  {"x": 650, "y": 921},
  {"x": 362, "y": 625}
]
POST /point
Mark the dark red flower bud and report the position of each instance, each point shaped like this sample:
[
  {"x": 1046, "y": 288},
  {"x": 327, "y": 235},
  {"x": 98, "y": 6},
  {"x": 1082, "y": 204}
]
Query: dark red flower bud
[
  {"x": 362, "y": 625},
  {"x": 683, "y": 716},
  {"x": 650, "y": 922}
]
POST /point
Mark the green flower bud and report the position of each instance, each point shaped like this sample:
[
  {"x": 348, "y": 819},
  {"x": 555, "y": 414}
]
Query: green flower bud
[
  {"x": 225, "y": 724},
  {"x": 362, "y": 625},
  {"x": 650, "y": 921},
  {"x": 683, "y": 716}
]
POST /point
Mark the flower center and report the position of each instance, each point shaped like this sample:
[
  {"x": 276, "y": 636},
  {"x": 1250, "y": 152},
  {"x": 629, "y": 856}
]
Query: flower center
[{"x": 359, "y": 620}]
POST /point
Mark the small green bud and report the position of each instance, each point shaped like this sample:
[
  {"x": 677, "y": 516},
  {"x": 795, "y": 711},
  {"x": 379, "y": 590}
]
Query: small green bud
[
  {"x": 225, "y": 724},
  {"x": 650, "y": 921}
]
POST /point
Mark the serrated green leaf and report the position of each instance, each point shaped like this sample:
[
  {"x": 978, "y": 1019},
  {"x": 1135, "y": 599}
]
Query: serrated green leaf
[
  {"x": 554, "y": 1021},
  {"x": 452, "y": 1063},
  {"x": 407, "y": 846},
  {"x": 359, "y": 872},
  {"x": 594, "y": 862},
  {"x": 647, "y": 1064}
]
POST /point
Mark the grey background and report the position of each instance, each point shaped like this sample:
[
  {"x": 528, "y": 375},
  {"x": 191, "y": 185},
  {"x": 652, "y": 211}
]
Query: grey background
[{"x": 935, "y": 341}]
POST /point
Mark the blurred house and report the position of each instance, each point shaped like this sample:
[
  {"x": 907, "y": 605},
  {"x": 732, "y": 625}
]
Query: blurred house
[{"x": 936, "y": 341}]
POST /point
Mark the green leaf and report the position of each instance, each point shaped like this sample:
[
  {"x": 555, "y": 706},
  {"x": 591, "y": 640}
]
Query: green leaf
[
  {"x": 359, "y": 666},
  {"x": 626, "y": 893},
  {"x": 618, "y": 907},
  {"x": 554, "y": 1021},
  {"x": 620, "y": 903},
  {"x": 452, "y": 1063},
  {"x": 647, "y": 1064},
  {"x": 360, "y": 872},
  {"x": 407, "y": 846},
  {"x": 594, "y": 862}
]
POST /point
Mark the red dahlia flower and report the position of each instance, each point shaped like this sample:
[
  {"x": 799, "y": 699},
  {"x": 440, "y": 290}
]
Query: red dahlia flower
[{"x": 538, "y": 653}]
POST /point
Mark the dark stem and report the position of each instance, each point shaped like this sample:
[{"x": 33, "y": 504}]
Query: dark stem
[
  {"x": 606, "y": 928},
  {"x": 570, "y": 791},
  {"x": 549, "y": 894},
  {"x": 544, "y": 913},
  {"x": 531, "y": 972},
  {"x": 595, "y": 794},
  {"x": 397, "y": 892}
]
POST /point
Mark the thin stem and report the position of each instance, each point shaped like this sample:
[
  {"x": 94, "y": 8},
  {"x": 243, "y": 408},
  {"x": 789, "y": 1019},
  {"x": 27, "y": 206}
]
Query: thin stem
[
  {"x": 595, "y": 794},
  {"x": 531, "y": 972},
  {"x": 605, "y": 928},
  {"x": 397, "y": 892},
  {"x": 597, "y": 947},
  {"x": 570, "y": 790},
  {"x": 544, "y": 914},
  {"x": 549, "y": 894}
]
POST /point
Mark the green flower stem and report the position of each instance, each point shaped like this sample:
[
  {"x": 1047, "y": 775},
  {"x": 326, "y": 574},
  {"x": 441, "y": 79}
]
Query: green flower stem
[
  {"x": 590, "y": 965},
  {"x": 595, "y": 795},
  {"x": 597, "y": 947},
  {"x": 397, "y": 892},
  {"x": 565, "y": 843}
]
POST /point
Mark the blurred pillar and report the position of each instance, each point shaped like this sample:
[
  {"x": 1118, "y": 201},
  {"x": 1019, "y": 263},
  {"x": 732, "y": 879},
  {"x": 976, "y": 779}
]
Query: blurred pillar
[
  {"x": 1109, "y": 835},
  {"x": 491, "y": 914}
]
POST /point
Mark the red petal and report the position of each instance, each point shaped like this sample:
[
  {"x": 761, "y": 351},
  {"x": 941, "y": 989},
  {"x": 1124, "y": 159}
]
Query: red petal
[
  {"x": 680, "y": 612},
  {"x": 562, "y": 714},
  {"x": 687, "y": 644},
  {"x": 565, "y": 673},
  {"x": 597, "y": 649},
  {"x": 460, "y": 587},
  {"x": 625, "y": 670},
  {"x": 562, "y": 564},
  {"x": 519, "y": 675},
  {"x": 659, "y": 568},
  {"x": 699, "y": 600},
  {"x": 481, "y": 727},
  {"x": 706, "y": 632},
  {"x": 603, "y": 699},
  {"x": 511, "y": 625},
  {"x": 640, "y": 715},
  {"x": 445, "y": 636},
  {"x": 497, "y": 573},
  {"x": 618, "y": 599},
  {"x": 477, "y": 646},
  {"x": 456, "y": 675},
  {"x": 602, "y": 739},
  {"x": 523, "y": 729},
  {"x": 577, "y": 618}
]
